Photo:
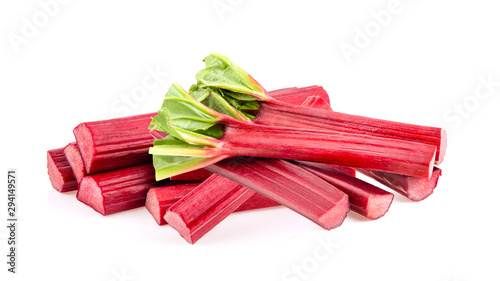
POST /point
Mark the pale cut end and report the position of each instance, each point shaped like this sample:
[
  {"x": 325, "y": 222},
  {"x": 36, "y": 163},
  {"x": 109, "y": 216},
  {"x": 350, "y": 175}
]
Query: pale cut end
[
  {"x": 176, "y": 221},
  {"x": 421, "y": 188},
  {"x": 75, "y": 161},
  {"x": 442, "y": 147},
  {"x": 54, "y": 175},
  {"x": 153, "y": 207},
  {"x": 336, "y": 215},
  {"x": 90, "y": 194},
  {"x": 59, "y": 171},
  {"x": 85, "y": 142},
  {"x": 378, "y": 205}
]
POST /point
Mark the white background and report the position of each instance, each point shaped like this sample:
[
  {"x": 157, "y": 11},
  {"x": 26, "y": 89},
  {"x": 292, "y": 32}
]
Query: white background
[{"x": 420, "y": 67}]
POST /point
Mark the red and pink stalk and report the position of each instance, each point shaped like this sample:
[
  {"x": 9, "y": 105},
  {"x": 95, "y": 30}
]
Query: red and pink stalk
[
  {"x": 415, "y": 188},
  {"x": 282, "y": 182},
  {"x": 159, "y": 200}
]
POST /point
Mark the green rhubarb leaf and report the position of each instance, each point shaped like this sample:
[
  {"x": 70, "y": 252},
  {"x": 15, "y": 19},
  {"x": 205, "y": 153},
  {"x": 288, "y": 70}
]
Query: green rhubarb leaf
[
  {"x": 220, "y": 72},
  {"x": 184, "y": 118},
  {"x": 213, "y": 98},
  {"x": 192, "y": 119}
]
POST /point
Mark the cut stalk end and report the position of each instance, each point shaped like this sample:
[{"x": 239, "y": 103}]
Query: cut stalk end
[{"x": 336, "y": 215}]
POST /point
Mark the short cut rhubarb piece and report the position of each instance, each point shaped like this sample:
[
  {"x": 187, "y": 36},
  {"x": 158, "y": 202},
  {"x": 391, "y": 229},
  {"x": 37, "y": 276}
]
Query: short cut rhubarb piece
[
  {"x": 416, "y": 189},
  {"x": 75, "y": 160},
  {"x": 115, "y": 143},
  {"x": 288, "y": 185},
  {"x": 118, "y": 190},
  {"x": 159, "y": 199},
  {"x": 60, "y": 173},
  {"x": 364, "y": 198}
]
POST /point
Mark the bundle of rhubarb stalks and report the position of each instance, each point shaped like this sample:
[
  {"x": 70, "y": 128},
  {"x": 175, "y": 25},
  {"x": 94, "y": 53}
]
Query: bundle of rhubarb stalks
[{"x": 228, "y": 145}]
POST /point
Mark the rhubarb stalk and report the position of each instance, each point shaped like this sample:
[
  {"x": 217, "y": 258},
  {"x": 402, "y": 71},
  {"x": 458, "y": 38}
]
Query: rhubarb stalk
[
  {"x": 75, "y": 160},
  {"x": 203, "y": 208},
  {"x": 214, "y": 121},
  {"x": 414, "y": 188},
  {"x": 364, "y": 198},
  {"x": 60, "y": 174},
  {"x": 289, "y": 185},
  {"x": 119, "y": 190},
  {"x": 159, "y": 199}
]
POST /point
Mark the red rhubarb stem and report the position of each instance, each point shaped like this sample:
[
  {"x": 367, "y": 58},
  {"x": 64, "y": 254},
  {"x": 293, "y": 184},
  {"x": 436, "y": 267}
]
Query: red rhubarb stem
[
  {"x": 276, "y": 113},
  {"x": 289, "y": 185},
  {"x": 159, "y": 199},
  {"x": 205, "y": 207},
  {"x": 416, "y": 189},
  {"x": 360, "y": 151},
  {"x": 364, "y": 198},
  {"x": 119, "y": 190}
]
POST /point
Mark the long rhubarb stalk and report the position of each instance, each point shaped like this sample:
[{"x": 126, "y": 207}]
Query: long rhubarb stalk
[
  {"x": 282, "y": 114},
  {"x": 75, "y": 160},
  {"x": 123, "y": 142},
  {"x": 159, "y": 199},
  {"x": 222, "y": 74},
  {"x": 289, "y": 185},
  {"x": 414, "y": 188},
  {"x": 364, "y": 198},
  {"x": 60, "y": 174},
  {"x": 241, "y": 138},
  {"x": 214, "y": 122}
]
